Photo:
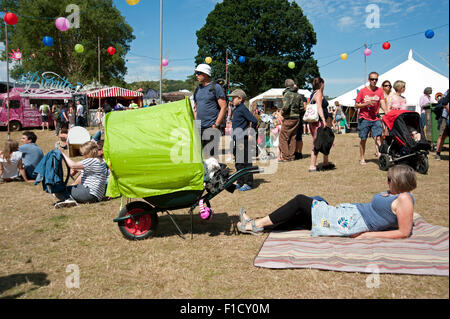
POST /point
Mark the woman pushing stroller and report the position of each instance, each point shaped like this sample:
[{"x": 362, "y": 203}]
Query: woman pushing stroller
[{"x": 388, "y": 215}]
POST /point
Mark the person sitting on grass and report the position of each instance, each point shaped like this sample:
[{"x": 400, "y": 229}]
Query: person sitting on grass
[
  {"x": 11, "y": 163},
  {"x": 63, "y": 134},
  {"x": 388, "y": 215},
  {"x": 93, "y": 178}
]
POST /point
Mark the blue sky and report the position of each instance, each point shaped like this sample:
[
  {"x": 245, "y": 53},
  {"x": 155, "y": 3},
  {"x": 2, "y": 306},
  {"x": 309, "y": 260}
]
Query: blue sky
[{"x": 340, "y": 27}]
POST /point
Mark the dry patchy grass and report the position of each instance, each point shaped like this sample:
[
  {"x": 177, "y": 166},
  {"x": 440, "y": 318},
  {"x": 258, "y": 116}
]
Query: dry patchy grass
[{"x": 37, "y": 242}]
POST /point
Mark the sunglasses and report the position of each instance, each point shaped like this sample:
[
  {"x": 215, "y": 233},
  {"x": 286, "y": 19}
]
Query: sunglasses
[
  {"x": 371, "y": 79},
  {"x": 387, "y": 86},
  {"x": 198, "y": 73}
]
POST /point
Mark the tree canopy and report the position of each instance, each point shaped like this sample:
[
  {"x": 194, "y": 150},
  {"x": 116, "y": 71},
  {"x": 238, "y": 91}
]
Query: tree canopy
[
  {"x": 97, "y": 18},
  {"x": 269, "y": 33}
]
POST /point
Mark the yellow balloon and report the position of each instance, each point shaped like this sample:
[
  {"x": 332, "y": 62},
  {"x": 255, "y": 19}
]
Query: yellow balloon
[
  {"x": 208, "y": 60},
  {"x": 344, "y": 56},
  {"x": 133, "y": 2}
]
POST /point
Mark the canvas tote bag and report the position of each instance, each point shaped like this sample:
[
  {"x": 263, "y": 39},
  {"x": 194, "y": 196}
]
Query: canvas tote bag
[{"x": 311, "y": 115}]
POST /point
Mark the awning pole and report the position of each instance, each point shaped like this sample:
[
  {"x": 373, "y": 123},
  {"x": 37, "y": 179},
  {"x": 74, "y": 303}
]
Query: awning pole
[
  {"x": 7, "y": 76},
  {"x": 160, "y": 50}
]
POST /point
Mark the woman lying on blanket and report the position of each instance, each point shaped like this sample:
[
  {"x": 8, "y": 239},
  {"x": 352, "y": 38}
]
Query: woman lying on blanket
[{"x": 388, "y": 215}]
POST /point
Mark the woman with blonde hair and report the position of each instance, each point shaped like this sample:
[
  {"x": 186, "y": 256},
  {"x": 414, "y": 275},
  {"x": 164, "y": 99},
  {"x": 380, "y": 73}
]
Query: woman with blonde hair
[
  {"x": 388, "y": 215},
  {"x": 93, "y": 178},
  {"x": 397, "y": 101},
  {"x": 11, "y": 167}
]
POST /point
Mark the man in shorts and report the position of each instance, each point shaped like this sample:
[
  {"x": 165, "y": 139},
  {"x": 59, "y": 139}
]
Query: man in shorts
[
  {"x": 45, "y": 110},
  {"x": 368, "y": 101}
]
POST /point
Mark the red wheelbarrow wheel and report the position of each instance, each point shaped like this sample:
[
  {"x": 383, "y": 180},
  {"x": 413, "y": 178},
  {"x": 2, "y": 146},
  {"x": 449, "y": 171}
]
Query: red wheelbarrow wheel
[{"x": 140, "y": 227}]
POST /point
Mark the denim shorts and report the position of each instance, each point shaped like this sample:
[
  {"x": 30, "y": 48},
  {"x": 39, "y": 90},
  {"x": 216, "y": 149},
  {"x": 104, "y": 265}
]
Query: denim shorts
[
  {"x": 365, "y": 126},
  {"x": 342, "y": 220}
]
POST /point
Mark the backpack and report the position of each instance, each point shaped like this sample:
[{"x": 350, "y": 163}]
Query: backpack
[{"x": 45, "y": 109}]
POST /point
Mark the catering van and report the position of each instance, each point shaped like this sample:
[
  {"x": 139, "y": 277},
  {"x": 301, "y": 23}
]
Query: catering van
[{"x": 24, "y": 108}]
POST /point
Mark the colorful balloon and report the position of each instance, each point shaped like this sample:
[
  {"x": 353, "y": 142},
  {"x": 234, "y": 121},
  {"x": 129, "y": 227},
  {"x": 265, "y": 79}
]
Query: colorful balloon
[
  {"x": 111, "y": 51},
  {"x": 133, "y": 2},
  {"x": 429, "y": 34},
  {"x": 386, "y": 45},
  {"x": 344, "y": 56},
  {"x": 79, "y": 48},
  {"x": 291, "y": 65},
  {"x": 48, "y": 41},
  {"x": 367, "y": 52},
  {"x": 208, "y": 60},
  {"x": 62, "y": 24},
  {"x": 164, "y": 62},
  {"x": 242, "y": 59},
  {"x": 10, "y": 18}
]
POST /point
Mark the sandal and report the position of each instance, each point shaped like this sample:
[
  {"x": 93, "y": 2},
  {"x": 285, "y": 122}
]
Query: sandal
[
  {"x": 241, "y": 216},
  {"x": 254, "y": 231},
  {"x": 242, "y": 228}
]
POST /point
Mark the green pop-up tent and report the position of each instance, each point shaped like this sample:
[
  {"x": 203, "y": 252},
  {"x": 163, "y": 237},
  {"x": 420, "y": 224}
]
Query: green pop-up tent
[{"x": 153, "y": 151}]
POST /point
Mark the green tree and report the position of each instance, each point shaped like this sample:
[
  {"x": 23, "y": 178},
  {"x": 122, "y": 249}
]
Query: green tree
[
  {"x": 97, "y": 19},
  {"x": 269, "y": 33}
]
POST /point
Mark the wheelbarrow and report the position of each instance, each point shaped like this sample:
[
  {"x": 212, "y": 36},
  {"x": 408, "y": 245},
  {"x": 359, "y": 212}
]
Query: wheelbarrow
[{"x": 138, "y": 220}]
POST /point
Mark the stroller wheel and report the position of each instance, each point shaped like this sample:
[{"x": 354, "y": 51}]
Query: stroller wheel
[
  {"x": 422, "y": 164},
  {"x": 140, "y": 227},
  {"x": 383, "y": 162}
]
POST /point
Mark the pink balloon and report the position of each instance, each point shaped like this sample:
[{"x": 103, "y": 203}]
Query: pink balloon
[
  {"x": 367, "y": 52},
  {"x": 62, "y": 24},
  {"x": 165, "y": 62}
]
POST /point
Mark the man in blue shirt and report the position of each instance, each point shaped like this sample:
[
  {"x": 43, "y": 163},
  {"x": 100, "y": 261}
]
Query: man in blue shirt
[
  {"x": 210, "y": 109},
  {"x": 31, "y": 153},
  {"x": 241, "y": 121}
]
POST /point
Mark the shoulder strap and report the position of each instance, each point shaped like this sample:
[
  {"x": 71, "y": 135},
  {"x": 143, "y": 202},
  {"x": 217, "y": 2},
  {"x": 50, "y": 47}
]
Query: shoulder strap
[{"x": 195, "y": 93}]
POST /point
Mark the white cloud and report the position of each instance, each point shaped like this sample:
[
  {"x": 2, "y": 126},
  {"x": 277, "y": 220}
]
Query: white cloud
[
  {"x": 345, "y": 22},
  {"x": 352, "y": 13}
]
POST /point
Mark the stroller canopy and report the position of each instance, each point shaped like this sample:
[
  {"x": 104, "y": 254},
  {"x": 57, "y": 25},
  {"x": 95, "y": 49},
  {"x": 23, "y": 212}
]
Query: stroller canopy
[
  {"x": 398, "y": 123},
  {"x": 153, "y": 151}
]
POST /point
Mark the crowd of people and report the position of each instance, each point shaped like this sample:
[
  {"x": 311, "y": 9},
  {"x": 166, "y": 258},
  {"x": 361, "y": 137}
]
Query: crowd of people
[{"x": 210, "y": 109}]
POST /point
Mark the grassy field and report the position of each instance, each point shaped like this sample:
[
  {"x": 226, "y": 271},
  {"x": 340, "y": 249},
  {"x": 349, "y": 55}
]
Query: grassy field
[{"x": 39, "y": 245}]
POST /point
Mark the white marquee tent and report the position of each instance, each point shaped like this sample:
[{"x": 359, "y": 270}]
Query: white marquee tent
[
  {"x": 417, "y": 78},
  {"x": 275, "y": 94}
]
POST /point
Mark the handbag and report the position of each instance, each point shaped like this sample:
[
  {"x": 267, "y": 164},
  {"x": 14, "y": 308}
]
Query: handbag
[{"x": 311, "y": 115}]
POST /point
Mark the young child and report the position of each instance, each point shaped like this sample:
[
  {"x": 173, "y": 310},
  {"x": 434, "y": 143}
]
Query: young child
[
  {"x": 62, "y": 139},
  {"x": 242, "y": 118},
  {"x": 414, "y": 134}
]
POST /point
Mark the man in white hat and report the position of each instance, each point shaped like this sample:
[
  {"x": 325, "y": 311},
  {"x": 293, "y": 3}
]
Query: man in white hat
[{"x": 210, "y": 108}]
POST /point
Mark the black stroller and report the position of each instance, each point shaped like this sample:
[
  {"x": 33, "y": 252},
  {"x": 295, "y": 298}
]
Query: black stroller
[{"x": 406, "y": 142}]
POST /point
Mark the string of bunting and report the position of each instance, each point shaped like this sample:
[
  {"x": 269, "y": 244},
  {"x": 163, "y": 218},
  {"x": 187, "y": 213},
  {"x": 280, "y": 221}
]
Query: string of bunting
[{"x": 63, "y": 25}]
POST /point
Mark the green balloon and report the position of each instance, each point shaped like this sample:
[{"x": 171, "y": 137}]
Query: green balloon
[
  {"x": 291, "y": 65},
  {"x": 79, "y": 48}
]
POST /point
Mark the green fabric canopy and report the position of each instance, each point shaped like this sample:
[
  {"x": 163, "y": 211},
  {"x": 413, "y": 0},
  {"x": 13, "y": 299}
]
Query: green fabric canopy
[{"x": 153, "y": 151}]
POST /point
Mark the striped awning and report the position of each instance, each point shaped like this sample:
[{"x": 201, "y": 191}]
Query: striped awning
[{"x": 114, "y": 92}]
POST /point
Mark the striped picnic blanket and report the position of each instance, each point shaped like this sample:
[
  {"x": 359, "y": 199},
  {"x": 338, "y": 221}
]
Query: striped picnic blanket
[{"x": 424, "y": 253}]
